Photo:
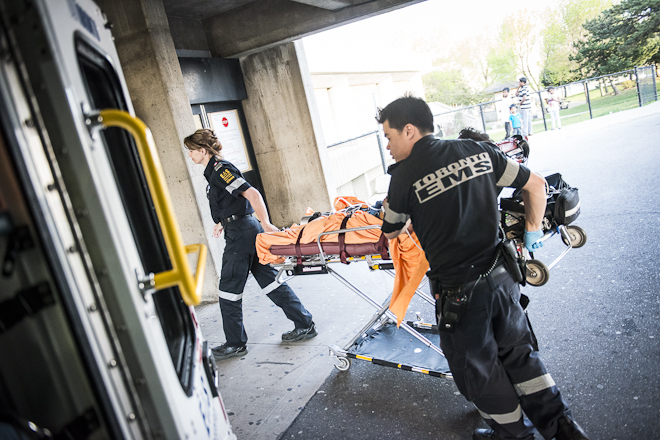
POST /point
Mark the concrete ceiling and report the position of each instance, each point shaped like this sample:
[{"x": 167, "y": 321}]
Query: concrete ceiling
[
  {"x": 238, "y": 28},
  {"x": 203, "y": 9}
]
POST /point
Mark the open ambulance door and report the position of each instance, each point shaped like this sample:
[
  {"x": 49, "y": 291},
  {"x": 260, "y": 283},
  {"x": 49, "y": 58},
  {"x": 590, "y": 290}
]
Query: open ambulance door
[{"x": 98, "y": 337}]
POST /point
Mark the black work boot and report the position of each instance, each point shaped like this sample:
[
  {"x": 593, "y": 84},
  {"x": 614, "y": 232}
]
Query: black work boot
[
  {"x": 568, "y": 429},
  {"x": 225, "y": 352},
  {"x": 485, "y": 434},
  {"x": 299, "y": 334},
  {"x": 489, "y": 434}
]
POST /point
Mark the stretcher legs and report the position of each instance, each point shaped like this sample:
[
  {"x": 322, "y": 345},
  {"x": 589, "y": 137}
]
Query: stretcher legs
[{"x": 386, "y": 313}]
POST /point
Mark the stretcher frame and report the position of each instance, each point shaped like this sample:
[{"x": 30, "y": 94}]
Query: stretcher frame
[{"x": 380, "y": 320}]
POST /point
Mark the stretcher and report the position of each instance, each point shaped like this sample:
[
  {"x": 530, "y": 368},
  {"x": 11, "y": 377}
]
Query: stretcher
[
  {"x": 562, "y": 209},
  {"x": 385, "y": 339}
]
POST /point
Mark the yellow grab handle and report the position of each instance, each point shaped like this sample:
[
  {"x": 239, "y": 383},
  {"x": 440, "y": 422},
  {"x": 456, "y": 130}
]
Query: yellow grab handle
[{"x": 180, "y": 274}]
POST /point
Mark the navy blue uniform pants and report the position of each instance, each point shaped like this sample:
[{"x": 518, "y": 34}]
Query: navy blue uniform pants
[
  {"x": 492, "y": 357},
  {"x": 238, "y": 260}
]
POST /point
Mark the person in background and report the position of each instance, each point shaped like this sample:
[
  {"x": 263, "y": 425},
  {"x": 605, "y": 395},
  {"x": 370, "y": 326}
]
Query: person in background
[
  {"x": 553, "y": 108},
  {"x": 525, "y": 105},
  {"x": 448, "y": 189},
  {"x": 505, "y": 105},
  {"x": 233, "y": 202},
  {"x": 516, "y": 121}
]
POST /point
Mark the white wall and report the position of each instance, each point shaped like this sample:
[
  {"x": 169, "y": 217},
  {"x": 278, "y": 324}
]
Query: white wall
[{"x": 347, "y": 106}]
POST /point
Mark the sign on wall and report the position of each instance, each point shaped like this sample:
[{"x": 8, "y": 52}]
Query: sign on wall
[{"x": 227, "y": 128}]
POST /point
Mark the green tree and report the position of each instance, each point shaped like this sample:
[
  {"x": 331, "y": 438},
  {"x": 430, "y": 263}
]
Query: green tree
[
  {"x": 448, "y": 87},
  {"x": 520, "y": 33},
  {"x": 621, "y": 37},
  {"x": 502, "y": 61},
  {"x": 563, "y": 28}
]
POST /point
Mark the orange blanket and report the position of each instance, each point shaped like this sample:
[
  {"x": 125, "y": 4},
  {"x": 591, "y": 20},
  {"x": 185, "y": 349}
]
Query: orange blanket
[
  {"x": 410, "y": 266},
  {"x": 312, "y": 229},
  {"x": 410, "y": 263}
]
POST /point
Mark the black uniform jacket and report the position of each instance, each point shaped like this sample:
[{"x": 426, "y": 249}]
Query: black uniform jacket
[
  {"x": 226, "y": 184},
  {"x": 449, "y": 189}
]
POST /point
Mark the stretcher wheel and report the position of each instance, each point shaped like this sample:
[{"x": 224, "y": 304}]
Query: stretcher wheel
[
  {"x": 343, "y": 363},
  {"x": 537, "y": 273},
  {"x": 577, "y": 235}
]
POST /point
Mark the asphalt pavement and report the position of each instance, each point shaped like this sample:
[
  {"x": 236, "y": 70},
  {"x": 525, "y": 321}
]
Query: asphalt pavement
[{"x": 596, "y": 319}]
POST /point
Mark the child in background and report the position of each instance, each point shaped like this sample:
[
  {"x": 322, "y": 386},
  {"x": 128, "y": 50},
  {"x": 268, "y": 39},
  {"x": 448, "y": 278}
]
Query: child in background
[{"x": 516, "y": 120}]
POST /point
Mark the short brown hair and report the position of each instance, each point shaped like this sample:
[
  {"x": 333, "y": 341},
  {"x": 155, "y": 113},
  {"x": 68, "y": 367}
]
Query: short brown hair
[{"x": 206, "y": 139}]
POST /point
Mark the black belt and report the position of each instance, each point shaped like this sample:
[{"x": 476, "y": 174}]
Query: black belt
[
  {"x": 497, "y": 271},
  {"x": 233, "y": 218}
]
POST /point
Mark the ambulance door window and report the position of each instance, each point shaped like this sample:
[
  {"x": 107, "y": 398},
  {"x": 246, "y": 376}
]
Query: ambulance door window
[{"x": 104, "y": 91}]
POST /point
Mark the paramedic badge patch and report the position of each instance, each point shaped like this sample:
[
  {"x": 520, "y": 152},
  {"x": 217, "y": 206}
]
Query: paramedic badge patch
[{"x": 227, "y": 176}]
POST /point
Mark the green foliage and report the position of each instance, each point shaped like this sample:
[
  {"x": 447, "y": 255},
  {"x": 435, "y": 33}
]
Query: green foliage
[
  {"x": 620, "y": 38},
  {"x": 628, "y": 84},
  {"x": 448, "y": 87},
  {"x": 563, "y": 28},
  {"x": 519, "y": 32},
  {"x": 502, "y": 62}
]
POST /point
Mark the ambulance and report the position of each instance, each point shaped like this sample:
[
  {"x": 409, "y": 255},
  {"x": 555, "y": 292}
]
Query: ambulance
[{"x": 98, "y": 334}]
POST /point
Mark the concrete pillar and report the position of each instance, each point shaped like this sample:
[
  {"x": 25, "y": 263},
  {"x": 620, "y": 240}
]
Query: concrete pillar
[
  {"x": 286, "y": 132},
  {"x": 153, "y": 76}
]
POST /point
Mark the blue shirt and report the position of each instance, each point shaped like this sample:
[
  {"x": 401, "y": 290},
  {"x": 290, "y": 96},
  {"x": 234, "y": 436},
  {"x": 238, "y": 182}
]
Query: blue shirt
[{"x": 516, "y": 120}]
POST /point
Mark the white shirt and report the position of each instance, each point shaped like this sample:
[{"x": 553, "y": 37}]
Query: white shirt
[{"x": 504, "y": 108}]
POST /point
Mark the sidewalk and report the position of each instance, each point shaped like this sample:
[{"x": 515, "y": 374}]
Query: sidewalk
[{"x": 264, "y": 391}]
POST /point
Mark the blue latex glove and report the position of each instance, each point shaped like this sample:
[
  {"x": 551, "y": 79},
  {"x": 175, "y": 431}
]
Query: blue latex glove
[{"x": 531, "y": 240}]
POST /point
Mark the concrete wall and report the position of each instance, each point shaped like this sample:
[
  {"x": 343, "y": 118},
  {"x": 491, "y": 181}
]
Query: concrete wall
[
  {"x": 286, "y": 132},
  {"x": 149, "y": 62},
  {"x": 347, "y": 105}
]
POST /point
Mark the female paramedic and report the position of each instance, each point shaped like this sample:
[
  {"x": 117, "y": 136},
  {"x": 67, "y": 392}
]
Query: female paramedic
[{"x": 233, "y": 202}]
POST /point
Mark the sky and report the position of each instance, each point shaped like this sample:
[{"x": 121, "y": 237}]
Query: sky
[{"x": 399, "y": 33}]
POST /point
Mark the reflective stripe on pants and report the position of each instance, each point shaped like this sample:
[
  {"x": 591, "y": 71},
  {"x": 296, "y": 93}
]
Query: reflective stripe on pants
[{"x": 495, "y": 366}]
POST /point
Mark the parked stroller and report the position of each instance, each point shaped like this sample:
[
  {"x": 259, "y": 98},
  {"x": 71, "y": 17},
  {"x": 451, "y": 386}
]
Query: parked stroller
[{"x": 563, "y": 207}]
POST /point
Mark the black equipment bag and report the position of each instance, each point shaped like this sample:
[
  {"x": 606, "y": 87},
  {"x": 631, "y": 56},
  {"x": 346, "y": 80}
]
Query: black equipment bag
[{"x": 564, "y": 201}]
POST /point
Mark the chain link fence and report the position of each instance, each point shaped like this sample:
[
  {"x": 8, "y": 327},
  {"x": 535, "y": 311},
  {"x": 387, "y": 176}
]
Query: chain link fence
[
  {"x": 359, "y": 164},
  {"x": 579, "y": 101}
]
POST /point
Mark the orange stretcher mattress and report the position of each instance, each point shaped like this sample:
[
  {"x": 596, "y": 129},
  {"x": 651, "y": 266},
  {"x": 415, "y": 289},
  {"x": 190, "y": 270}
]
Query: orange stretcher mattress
[
  {"x": 409, "y": 260},
  {"x": 273, "y": 247}
]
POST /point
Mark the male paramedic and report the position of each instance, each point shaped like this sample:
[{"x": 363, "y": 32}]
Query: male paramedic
[{"x": 448, "y": 190}]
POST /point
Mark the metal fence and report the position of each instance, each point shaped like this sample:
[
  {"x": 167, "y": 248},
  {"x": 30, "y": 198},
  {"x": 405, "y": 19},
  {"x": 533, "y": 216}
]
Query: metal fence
[
  {"x": 580, "y": 100},
  {"x": 357, "y": 163}
]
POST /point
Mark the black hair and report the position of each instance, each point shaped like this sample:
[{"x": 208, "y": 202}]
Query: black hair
[
  {"x": 474, "y": 134},
  {"x": 407, "y": 110},
  {"x": 506, "y": 89}
]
